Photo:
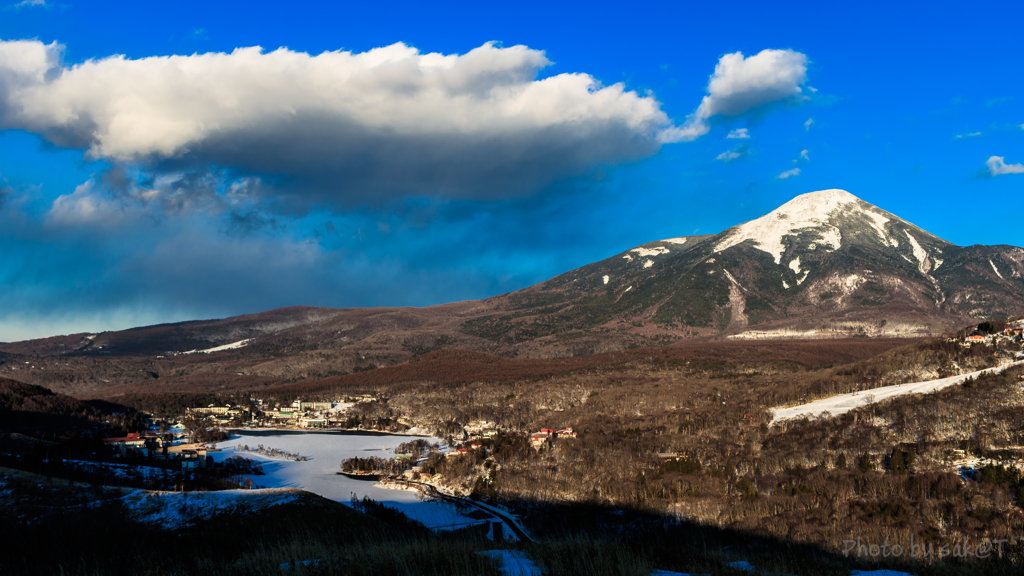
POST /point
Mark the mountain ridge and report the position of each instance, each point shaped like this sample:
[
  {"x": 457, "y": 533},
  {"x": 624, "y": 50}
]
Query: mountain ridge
[{"x": 824, "y": 264}]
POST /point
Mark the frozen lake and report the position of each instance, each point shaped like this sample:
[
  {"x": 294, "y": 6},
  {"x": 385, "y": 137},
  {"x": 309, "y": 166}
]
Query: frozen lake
[{"x": 320, "y": 473}]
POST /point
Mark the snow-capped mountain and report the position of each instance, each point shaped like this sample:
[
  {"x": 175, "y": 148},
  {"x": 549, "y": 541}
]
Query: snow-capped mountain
[{"x": 824, "y": 263}]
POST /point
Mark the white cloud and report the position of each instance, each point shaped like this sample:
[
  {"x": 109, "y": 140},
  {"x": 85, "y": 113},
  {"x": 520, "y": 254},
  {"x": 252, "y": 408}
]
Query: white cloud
[
  {"x": 807, "y": 125},
  {"x": 997, "y": 167},
  {"x": 389, "y": 121},
  {"x": 740, "y": 85},
  {"x": 28, "y": 4},
  {"x": 804, "y": 154},
  {"x": 1022, "y": 126},
  {"x": 738, "y": 133},
  {"x": 971, "y": 135},
  {"x": 737, "y": 152},
  {"x": 116, "y": 198},
  {"x": 788, "y": 173},
  {"x": 85, "y": 206}
]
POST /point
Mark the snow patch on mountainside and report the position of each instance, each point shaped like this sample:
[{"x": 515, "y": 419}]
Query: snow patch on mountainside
[
  {"x": 923, "y": 265},
  {"x": 648, "y": 263},
  {"x": 805, "y": 213},
  {"x": 991, "y": 263},
  {"x": 656, "y": 251},
  {"x": 794, "y": 265},
  {"x": 675, "y": 241},
  {"x": 232, "y": 346},
  {"x": 878, "y": 222},
  {"x": 605, "y": 278},
  {"x": 733, "y": 280},
  {"x": 832, "y": 237}
]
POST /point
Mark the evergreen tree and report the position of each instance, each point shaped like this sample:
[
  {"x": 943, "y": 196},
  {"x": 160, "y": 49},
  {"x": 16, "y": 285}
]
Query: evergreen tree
[{"x": 865, "y": 463}]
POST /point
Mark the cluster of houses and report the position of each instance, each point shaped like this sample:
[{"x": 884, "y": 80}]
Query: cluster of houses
[
  {"x": 222, "y": 415},
  {"x": 537, "y": 439},
  {"x": 300, "y": 413},
  {"x": 478, "y": 429},
  {"x": 156, "y": 446},
  {"x": 1011, "y": 335}
]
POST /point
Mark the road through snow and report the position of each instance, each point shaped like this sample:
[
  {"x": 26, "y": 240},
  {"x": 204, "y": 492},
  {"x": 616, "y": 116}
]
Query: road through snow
[{"x": 836, "y": 405}]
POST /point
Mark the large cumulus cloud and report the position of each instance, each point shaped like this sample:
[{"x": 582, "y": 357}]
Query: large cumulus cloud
[
  {"x": 744, "y": 84},
  {"x": 338, "y": 127}
]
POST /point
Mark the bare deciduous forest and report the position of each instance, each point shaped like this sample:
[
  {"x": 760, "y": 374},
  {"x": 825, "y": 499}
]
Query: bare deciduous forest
[{"x": 690, "y": 435}]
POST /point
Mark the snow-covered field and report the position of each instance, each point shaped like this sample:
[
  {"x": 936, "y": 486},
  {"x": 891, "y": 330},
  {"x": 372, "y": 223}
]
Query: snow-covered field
[
  {"x": 843, "y": 403},
  {"x": 120, "y": 470},
  {"x": 320, "y": 474},
  {"x": 175, "y": 510},
  {"x": 232, "y": 346}
]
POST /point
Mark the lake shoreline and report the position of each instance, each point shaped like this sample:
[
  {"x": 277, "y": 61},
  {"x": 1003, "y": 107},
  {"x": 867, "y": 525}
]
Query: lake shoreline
[{"x": 345, "y": 432}]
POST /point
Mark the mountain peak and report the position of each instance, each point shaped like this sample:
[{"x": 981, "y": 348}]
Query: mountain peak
[{"x": 811, "y": 212}]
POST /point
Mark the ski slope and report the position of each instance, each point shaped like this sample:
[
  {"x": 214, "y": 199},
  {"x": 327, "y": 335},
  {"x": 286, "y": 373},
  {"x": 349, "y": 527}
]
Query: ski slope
[{"x": 836, "y": 405}]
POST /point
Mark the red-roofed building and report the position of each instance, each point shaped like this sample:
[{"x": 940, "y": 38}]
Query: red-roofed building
[
  {"x": 133, "y": 441},
  {"x": 567, "y": 432}
]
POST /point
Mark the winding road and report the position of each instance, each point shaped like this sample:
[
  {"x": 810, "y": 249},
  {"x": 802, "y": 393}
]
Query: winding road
[{"x": 506, "y": 519}]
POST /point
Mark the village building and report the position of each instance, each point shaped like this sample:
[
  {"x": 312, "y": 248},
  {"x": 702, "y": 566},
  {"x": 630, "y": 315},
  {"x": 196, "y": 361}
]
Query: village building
[
  {"x": 211, "y": 409},
  {"x": 133, "y": 442}
]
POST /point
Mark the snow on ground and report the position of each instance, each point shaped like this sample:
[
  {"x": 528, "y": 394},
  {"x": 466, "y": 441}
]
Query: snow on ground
[
  {"x": 341, "y": 407},
  {"x": 922, "y": 257},
  {"x": 807, "y": 211},
  {"x": 656, "y": 251},
  {"x": 232, "y": 346},
  {"x": 605, "y": 278},
  {"x": 995, "y": 269},
  {"x": 878, "y": 222},
  {"x": 731, "y": 279},
  {"x": 843, "y": 403},
  {"x": 320, "y": 474},
  {"x": 120, "y": 470},
  {"x": 675, "y": 241},
  {"x": 774, "y": 334},
  {"x": 513, "y": 562},
  {"x": 175, "y": 510}
]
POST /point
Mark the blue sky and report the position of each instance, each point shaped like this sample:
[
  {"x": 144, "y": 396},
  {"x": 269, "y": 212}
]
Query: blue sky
[{"x": 155, "y": 167}]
